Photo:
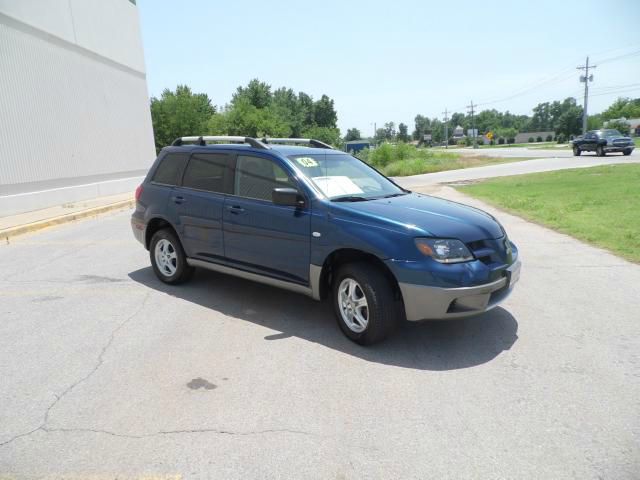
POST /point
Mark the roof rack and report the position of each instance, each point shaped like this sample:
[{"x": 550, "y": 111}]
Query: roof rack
[
  {"x": 306, "y": 141},
  {"x": 202, "y": 140}
]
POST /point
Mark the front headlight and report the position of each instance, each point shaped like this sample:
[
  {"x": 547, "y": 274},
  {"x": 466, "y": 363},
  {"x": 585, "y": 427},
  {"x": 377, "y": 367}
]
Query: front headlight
[{"x": 444, "y": 250}]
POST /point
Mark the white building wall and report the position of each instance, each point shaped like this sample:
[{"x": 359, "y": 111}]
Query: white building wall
[{"x": 74, "y": 109}]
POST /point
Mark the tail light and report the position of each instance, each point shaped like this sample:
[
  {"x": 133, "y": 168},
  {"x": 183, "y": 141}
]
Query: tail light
[{"x": 138, "y": 192}]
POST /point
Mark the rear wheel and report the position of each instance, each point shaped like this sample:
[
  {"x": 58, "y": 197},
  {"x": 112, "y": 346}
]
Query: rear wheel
[
  {"x": 168, "y": 259},
  {"x": 576, "y": 151},
  {"x": 627, "y": 151},
  {"x": 364, "y": 303},
  {"x": 600, "y": 151}
]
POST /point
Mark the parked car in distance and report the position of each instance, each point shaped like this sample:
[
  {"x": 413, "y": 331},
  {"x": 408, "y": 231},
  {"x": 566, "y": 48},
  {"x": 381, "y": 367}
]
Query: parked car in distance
[
  {"x": 318, "y": 221},
  {"x": 603, "y": 142}
]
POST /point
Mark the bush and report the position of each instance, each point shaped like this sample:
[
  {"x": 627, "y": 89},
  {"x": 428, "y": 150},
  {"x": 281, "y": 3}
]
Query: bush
[
  {"x": 539, "y": 139},
  {"x": 382, "y": 156},
  {"x": 363, "y": 154},
  {"x": 492, "y": 142},
  {"x": 501, "y": 141},
  {"x": 561, "y": 138},
  {"x": 530, "y": 139},
  {"x": 403, "y": 151},
  {"x": 452, "y": 141},
  {"x": 511, "y": 140},
  {"x": 549, "y": 138}
]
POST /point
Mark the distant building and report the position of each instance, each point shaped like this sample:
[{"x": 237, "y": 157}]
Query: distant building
[
  {"x": 523, "y": 137},
  {"x": 458, "y": 132},
  {"x": 356, "y": 145},
  {"x": 74, "y": 107}
]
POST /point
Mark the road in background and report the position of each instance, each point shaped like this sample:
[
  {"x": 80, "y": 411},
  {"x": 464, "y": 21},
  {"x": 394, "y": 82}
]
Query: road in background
[
  {"x": 549, "y": 163},
  {"x": 106, "y": 372}
]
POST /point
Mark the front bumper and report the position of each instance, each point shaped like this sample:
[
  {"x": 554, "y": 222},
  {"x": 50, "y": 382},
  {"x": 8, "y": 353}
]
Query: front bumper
[
  {"x": 618, "y": 148},
  {"x": 423, "y": 302}
]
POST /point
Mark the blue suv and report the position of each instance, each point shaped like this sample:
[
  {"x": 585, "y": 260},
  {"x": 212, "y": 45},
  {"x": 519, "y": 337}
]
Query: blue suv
[{"x": 297, "y": 214}]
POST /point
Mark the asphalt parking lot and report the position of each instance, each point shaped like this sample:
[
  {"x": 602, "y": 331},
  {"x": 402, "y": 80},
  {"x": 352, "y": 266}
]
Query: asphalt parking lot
[{"x": 108, "y": 373}]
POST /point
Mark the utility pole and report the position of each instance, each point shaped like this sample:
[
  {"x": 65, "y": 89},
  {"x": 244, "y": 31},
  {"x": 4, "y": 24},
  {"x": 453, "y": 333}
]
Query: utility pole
[
  {"x": 473, "y": 124},
  {"x": 446, "y": 128},
  {"x": 586, "y": 78}
]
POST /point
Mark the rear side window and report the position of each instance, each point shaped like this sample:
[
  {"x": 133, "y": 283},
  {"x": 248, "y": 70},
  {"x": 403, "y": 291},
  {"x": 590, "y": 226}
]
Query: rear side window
[
  {"x": 170, "y": 169},
  {"x": 209, "y": 172}
]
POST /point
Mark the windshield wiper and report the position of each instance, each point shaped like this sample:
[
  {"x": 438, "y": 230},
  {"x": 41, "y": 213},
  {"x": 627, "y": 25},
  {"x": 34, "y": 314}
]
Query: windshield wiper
[
  {"x": 395, "y": 195},
  {"x": 350, "y": 198}
]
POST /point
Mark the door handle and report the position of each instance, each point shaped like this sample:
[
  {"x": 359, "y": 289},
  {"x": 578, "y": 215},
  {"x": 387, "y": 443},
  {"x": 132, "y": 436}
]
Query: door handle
[
  {"x": 178, "y": 199},
  {"x": 235, "y": 209}
]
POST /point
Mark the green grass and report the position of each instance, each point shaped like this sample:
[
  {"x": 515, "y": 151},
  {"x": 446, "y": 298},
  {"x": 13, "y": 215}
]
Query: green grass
[
  {"x": 402, "y": 160},
  {"x": 600, "y": 205},
  {"x": 636, "y": 140},
  {"x": 438, "y": 162}
]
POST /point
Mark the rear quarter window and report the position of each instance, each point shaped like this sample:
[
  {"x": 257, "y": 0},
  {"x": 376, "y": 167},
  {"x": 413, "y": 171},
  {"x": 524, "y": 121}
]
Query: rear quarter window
[
  {"x": 209, "y": 171},
  {"x": 170, "y": 169}
]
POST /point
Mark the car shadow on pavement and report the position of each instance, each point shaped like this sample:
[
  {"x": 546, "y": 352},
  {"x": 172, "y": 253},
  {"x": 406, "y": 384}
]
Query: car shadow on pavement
[{"x": 436, "y": 345}]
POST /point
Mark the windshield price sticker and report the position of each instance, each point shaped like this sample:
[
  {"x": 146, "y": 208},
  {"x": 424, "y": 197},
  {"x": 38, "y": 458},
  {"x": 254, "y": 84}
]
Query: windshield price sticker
[{"x": 307, "y": 162}]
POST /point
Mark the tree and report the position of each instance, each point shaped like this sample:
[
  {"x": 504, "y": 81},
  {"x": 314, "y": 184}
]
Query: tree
[
  {"x": 389, "y": 131},
  {"x": 422, "y": 126},
  {"x": 257, "y": 93},
  {"x": 403, "y": 133},
  {"x": 352, "y": 134},
  {"x": 324, "y": 113},
  {"x": 569, "y": 121},
  {"x": 179, "y": 113},
  {"x": 623, "y": 107},
  {"x": 330, "y": 135}
]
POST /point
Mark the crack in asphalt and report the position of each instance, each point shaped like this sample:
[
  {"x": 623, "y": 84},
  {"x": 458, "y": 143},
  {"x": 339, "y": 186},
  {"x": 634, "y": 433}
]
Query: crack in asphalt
[
  {"x": 177, "y": 432},
  {"x": 44, "y": 428},
  {"x": 59, "y": 397}
]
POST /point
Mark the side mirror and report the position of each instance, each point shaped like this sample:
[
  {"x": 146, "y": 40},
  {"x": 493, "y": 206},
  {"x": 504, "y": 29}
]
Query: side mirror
[{"x": 289, "y": 197}]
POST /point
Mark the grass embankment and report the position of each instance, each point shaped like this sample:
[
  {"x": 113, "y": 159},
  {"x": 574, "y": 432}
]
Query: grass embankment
[
  {"x": 402, "y": 160},
  {"x": 600, "y": 205}
]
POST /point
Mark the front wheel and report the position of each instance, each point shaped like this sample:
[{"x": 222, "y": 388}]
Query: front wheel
[
  {"x": 600, "y": 151},
  {"x": 364, "y": 303},
  {"x": 168, "y": 259},
  {"x": 627, "y": 152},
  {"x": 576, "y": 151}
]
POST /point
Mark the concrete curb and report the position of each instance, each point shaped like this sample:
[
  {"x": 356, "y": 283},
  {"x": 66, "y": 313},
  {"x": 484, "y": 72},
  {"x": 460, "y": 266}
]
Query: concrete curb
[{"x": 7, "y": 233}]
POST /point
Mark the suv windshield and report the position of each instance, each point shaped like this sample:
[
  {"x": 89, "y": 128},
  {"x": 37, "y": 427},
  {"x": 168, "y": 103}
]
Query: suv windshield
[{"x": 342, "y": 177}]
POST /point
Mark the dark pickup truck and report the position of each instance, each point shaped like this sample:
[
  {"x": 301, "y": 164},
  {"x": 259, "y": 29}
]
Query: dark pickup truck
[{"x": 603, "y": 142}]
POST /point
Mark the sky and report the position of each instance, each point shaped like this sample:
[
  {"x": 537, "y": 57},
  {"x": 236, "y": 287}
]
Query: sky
[{"x": 388, "y": 61}]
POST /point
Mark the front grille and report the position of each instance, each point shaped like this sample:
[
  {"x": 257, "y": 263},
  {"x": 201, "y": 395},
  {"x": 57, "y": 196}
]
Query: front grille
[
  {"x": 494, "y": 253},
  {"x": 621, "y": 143}
]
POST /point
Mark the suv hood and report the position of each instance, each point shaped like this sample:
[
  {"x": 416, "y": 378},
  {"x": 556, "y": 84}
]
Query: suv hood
[{"x": 422, "y": 215}]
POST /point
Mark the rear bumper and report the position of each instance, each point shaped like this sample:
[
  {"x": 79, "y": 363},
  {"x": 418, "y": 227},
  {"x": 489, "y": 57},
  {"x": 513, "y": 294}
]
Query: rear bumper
[
  {"x": 138, "y": 228},
  {"x": 435, "y": 303}
]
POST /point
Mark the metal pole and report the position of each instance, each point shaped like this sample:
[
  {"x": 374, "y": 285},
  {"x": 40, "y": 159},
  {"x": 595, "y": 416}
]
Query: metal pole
[
  {"x": 446, "y": 129},
  {"x": 473, "y": 125},
  {"x": 586, "y": 79}
]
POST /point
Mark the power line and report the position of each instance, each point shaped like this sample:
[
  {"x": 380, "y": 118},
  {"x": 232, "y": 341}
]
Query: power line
[{"x": 618, "y": 57}]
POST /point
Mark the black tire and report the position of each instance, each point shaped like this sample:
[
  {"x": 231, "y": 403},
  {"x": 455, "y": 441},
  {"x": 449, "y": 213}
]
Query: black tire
[
  {"x": 381, "y": 306},
  {"x": 576, "y": 151},
  {"x": 627, "y": 152},
  {"x": 600, "y": 151},
  {"x": 183, "y": 271}
]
